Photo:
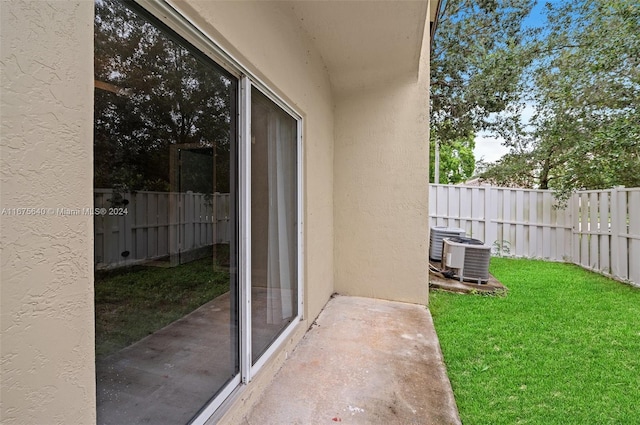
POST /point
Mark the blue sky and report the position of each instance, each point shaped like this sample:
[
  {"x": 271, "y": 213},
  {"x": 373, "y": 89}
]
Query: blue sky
[{"x": 536, "y": 18}]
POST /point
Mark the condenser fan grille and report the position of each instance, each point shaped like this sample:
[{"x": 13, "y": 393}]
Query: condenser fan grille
[{"x": 467, "y": 258}]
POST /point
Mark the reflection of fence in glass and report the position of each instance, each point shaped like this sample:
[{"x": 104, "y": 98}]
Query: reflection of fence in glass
[{"x": 157, "y": 225}]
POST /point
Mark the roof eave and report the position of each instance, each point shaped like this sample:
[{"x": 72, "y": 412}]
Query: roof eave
[{"x": 436, "y": 16}]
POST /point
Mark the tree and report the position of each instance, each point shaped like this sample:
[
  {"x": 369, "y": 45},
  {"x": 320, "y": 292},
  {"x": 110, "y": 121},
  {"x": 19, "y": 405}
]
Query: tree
[
  {"x": 586, "y": 87},
  {"x": 457, "y": 162},
  {"x": 151, "y": 93},
  {"x": 476, "y": 63}
]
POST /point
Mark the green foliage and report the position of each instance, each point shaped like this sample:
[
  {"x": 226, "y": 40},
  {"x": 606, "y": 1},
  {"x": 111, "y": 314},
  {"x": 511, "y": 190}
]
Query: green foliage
[
  {"x": 585, "y": 86},
  {"x": 476, "y": 63},
  {"x": 457, "y": 162},
  {"x": 512, "y": 170},
  {"x": 560, "y": 348}
]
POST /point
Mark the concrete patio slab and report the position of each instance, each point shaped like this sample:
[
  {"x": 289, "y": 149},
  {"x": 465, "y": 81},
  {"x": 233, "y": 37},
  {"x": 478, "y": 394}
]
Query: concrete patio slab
[{"x": 364, "y": 361}]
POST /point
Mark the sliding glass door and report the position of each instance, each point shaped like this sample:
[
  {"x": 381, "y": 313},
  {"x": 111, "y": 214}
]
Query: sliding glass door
[
  {"x": 166, "y": 228},
  {"x": 188, "y": 305}
]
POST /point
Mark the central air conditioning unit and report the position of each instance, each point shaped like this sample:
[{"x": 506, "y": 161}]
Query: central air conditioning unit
[
  {"x": 466, "y": 258},
  {"x": 435, "y": 239}
]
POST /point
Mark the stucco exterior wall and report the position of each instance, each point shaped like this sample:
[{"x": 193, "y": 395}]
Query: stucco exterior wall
[
  {"x": 46, "y": 263},
  {"x": 365, "y": 188},
  {"x": 381, "y": 188},
  {"x": 265, "y": 37}
]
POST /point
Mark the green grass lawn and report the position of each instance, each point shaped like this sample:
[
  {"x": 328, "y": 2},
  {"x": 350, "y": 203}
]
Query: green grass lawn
[
  {"x": 135, "y": 302},
  {"x": 563, "y": 347}
]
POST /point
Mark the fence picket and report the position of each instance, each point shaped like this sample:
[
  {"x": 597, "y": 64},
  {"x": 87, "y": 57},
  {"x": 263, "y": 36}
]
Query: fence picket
[
  {"x": 535, "y": 249},
  {"x": 519, "y": 231},
  {"x": 596, "y": 229},
  {"x": 563, "y": 231},
  {"x": 594, "y": 233},
  {"x": 490, "y": 210},
  {"x": 584, "y": 230},
  {"x": 605, "y": 230},
  {"x": 623, "y": 229},
  {"x": 634, "y": 235},
  {"x": 574, "y": 205},
  {"x": 548, "y": 249},
  {"x": 477, "y": 214}
]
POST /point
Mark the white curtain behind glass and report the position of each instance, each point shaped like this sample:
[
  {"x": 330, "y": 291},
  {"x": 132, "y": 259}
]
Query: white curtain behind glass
[{"x": 281, "y": 260}]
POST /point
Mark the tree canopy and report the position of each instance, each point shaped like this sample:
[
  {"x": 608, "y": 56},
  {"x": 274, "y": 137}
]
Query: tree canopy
[
  {"x": 585, "y": 87},
  {"x": 476, "y": 63}
]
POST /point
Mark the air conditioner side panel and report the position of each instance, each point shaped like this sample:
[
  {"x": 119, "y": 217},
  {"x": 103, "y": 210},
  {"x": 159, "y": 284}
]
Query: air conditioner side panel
[{"x": 453, "y": 255}]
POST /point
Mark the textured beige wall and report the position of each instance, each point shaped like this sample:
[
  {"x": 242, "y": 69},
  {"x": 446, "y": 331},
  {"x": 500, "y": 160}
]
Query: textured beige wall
[
  {"x": 366, "y": 197},
  {"x": 381, "y": 188},
  {"x": 265, "y": 37},
  {"x": 46, "y": 278}
]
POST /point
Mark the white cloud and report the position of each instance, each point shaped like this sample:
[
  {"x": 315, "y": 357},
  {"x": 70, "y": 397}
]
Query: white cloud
[{"x": 490, "y": 148}]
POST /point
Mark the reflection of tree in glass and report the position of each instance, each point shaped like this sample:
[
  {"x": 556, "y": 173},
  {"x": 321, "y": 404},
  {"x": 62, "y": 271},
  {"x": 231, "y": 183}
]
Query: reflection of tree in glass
[{"x": 152, "y": 92}]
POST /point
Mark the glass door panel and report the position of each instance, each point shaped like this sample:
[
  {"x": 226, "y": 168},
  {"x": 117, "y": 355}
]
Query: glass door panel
[
  {"x": 274, "y": 280},
  {"x": 166, "y": 231}
]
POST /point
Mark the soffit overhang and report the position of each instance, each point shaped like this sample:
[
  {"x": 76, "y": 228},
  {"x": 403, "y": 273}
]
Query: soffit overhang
[{"x": 365, "y": 42}]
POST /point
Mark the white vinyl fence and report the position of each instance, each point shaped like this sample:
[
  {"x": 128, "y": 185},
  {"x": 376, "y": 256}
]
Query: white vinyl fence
[
  {"x": 157, "y": 225},
  {"x": 599, "y": 230}
]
